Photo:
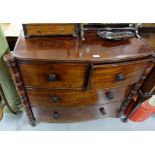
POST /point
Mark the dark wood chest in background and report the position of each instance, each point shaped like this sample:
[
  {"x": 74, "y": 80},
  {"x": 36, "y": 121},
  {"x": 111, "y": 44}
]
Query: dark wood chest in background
[
  {"x": 65, "y": 79},
  {"x": 31, "y": 30}
]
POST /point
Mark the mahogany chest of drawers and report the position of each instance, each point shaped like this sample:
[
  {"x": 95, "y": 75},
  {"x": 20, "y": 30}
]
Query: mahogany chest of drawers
[{"x": 65, "y": 79}]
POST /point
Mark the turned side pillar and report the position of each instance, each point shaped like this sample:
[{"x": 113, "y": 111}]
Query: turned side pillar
[
  {"x": 14, "y": 71},
  {"x": 135, "y": 89}
]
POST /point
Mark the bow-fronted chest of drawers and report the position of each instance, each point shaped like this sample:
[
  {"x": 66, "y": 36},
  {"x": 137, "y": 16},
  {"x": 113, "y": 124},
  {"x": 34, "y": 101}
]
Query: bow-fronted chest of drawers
[{"x": 65, "y": 79}]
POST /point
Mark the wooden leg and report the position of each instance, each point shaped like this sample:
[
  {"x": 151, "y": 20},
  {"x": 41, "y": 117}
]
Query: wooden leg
[{"x": 13, "y": 68}]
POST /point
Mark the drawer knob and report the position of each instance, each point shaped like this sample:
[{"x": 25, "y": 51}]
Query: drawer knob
[
  {"x": 102, "y": 110},
  {"x": 56, "y": 115},
  {"x": 109, "y": 95},
  {"x": 120, "y": 77},
  {"x": 55, "y": 99},
  {"x": 52, "y": 78}
]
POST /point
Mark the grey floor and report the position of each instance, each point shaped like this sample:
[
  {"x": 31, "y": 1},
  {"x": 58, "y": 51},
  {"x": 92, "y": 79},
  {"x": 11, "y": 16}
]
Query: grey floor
[{"x": 19, "y": 122}]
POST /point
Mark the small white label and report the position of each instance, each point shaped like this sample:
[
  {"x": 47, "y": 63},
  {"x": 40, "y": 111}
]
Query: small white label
[{"x": 96, "y": 55}]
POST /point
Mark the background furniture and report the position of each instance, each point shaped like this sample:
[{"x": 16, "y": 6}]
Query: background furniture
[{"x": 42, "y": 29}]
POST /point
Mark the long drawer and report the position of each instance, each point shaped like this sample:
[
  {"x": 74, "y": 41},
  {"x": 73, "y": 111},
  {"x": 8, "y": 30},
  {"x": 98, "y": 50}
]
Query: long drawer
[
  {"x": 117, "y": 74},
  {"x": 53, "y": 75},
  {"x": 74, "y": 115},
  {"x": 75, "y": 98}
]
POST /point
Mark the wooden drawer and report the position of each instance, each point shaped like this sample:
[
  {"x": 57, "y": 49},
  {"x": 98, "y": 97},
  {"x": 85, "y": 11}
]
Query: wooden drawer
[
  {"x": 117, "y": 74},
  {"x": 73, "y": 98},
  {"x": 49, "y": 29},
  {"x": 73, "y": 115},
  {"x": 53, "y": 75}
]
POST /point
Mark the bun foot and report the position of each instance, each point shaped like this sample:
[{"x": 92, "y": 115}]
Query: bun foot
[
  {"x": 124, "y": 120},
  {"x": 33, "y": 123}
]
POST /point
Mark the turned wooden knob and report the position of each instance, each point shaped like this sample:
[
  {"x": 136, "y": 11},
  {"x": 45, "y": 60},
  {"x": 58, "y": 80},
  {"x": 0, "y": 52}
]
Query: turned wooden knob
[
  {"x": 102, "y": 110},
  {"x": 52, "y": 78},
  {"x": 120, "y": 77},
  {"x": 56, "y": 115},
  {"x": 109, "y": 95}
]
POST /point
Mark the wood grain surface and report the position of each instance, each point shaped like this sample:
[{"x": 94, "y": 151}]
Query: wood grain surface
[
  {"x": 94, "y": 49},
  {"x": 76, "y": 114},
  {"x": 105, "y": 76},
  {"x": 75, "y": 98},
  {"x": 68, "y": 75},
  {"x": 49, "y": 29}
]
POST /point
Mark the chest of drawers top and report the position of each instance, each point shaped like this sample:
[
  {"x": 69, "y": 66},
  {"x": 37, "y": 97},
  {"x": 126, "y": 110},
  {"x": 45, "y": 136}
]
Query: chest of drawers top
[{"x": 93, "y": 49}]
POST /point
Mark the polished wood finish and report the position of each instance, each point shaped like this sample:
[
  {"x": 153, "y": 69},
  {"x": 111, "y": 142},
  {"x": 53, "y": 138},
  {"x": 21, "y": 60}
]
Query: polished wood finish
[
  {"x": 103, "y": 76},
  {"x": 93, "y": 49},
  {"x": 106, "y": 76},
  {"x": 72, "y": 98},
  {"x": 48, "y": 29},
  {"x": 68, "y": 75},
  {"x": 76, "y": 114},
  {"x": 65, "y": 79}
]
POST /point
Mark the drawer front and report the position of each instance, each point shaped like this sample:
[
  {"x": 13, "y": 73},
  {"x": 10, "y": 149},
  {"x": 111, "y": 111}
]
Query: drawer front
[
  {"x": 56, "y": 75},
  {"x": 49, "y": 29},
  {"x": 74, "y": 115},
  {"x": 63, "y": 98},
  {"x": 115, "y": 75}
]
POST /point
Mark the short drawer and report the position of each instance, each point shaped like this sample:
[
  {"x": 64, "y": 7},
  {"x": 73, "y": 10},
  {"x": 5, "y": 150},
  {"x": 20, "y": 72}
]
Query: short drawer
[
  {"x": 117, "y": 74},
  {"x": 73, "y": 98},
  {"x": 53, "y": 75},
  {"x": 74, "y": 115}
]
